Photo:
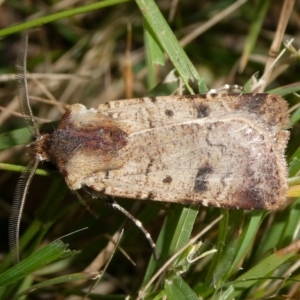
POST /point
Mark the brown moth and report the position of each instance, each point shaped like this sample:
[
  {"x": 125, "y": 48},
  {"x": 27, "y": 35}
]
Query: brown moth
[{"x": 221, "y": 150}]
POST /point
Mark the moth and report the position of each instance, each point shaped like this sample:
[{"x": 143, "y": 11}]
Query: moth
[{"x": 220, "y": 150}]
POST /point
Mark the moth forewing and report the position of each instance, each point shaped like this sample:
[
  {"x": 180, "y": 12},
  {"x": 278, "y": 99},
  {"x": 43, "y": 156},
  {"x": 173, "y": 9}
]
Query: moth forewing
[
  {"x": 229, "y": 161},
  {"x": 220, "y": 150}
]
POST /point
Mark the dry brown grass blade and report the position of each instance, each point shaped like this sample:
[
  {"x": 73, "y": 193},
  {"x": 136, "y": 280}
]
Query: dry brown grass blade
[
  {"x": 286, "y": 11},
  {"x": 172, "y": 258},
  {"x": 128, "y": 76},
  {"x": 216, "y": 19}
]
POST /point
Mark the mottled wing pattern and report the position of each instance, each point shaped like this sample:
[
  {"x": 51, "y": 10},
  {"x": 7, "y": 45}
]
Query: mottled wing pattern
[
  {"x": 226, "y": 161},
  {"x": 135, "y": 115},
  {"x": 223, "y": 150}
]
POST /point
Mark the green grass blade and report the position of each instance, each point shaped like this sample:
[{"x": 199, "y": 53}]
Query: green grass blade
[
  {"x": 52, "y": 252},
  {"x": 58, "y": 280},
  {"x": 262, "y": 269},
  {"x": 281, "y": 233},
  {"x": 177, "y": 289},
  {"x": 295, "y": 117},
  {"x": 16, "y": 168},
  {"x": 15, "y": 137},
  {"x": 21, "y": 136},
  {"x": 64, "y": 14},
  {"x": 154, "y": 55},
  {"x": 222, "y": 232},
  {"x": 286, "y": 89},
  {"x": 174, "y": 235},
  {"x": 290, "y": 222},
  {"x": 247, "y": 238},
  {"x": 259, "y": 15},
  {"x": 294, "y": 164},
  {"x": 168, "y": 41},
  {"x": 154, "y": 49}
]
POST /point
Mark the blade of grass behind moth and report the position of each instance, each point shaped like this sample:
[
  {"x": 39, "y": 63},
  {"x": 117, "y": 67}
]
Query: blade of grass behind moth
[
  {"x": 21, "y": 136},
  {"x": 246, "y": 238},
  {"x": 9, "y": 291},
  {"x": 185, "y": 218},
  {"x": 259, "y": 12},
  {"x": 169, "y": 42},
  {"x": 173, "y": 236},
  {"x": 22, "y": 285},
  {"x": 58, "y": 280},
  {"x": 177, "y": 289},
  {"x": 60, "y": 15},
  {"x": 221, "y": 241},
  {"x": 20, "y": 169},
  {"x": 282, "y": 230},
  {"x": 290, "y": 221},
  {"x": 17, "y": 208},
  {"x": 235, "y": 249},
  {"x": 52, "y": 252},
  {"x": 24, "y": 240},
  {"x": 48, "y": 213},
  {"x": 15, "y": 137},
  {"x": 106, "y": 265},
  {"x": 294, "y": 165},
  {"x": 294, "y": 157},
  {"x": 286, "y": 89},
  {"x": 264, "y": 268},
  {"x": 295, "y": 117},
  {"x": 167, "y": 87},
  {"x": 227, "y": 247},
  {"x": 154, "y": 56},
  {"x": 37, "y": 228}
]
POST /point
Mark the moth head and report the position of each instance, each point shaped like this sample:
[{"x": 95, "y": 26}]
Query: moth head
[{"x": 37, "y": 146}]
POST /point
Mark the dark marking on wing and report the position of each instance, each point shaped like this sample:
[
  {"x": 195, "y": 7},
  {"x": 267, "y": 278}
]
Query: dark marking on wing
[
  {"x": 201, "y": 178},
  {"x": 203, "y": 111},
  {"x": 167, "y": 179},
  {"x": 251, "y": 197},
  {"x": 151, "y": 195},
  {"x": 255, "y": 102},
  {"x": 169, "y": 113},
  {"x": 148, "y": 169}
]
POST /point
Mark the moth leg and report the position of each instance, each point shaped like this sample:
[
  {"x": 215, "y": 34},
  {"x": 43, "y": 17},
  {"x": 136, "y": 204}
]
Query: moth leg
[
  {"x": 86, "y": 205},
  {"x": 138, "y": 223},
  {"x": 110, "y": 201},
  {"x": 227, "y": 88}
]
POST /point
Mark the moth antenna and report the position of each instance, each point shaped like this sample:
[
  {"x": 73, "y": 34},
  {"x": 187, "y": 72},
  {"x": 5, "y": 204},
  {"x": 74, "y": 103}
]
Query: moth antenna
[
  {"x": 27, "y": 175},
  {"x": 139, "y": 224},
  {"x": 22, "y": 87},
  {"x": 17, "y": 208}
]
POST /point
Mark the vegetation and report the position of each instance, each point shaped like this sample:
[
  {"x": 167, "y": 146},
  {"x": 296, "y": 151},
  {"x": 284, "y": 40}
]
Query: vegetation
[{"x": 94, "y": 51}]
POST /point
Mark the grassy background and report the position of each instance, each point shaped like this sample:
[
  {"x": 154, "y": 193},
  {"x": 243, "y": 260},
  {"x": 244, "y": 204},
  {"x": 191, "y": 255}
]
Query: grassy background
[{"x": 106, "y": 54}]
